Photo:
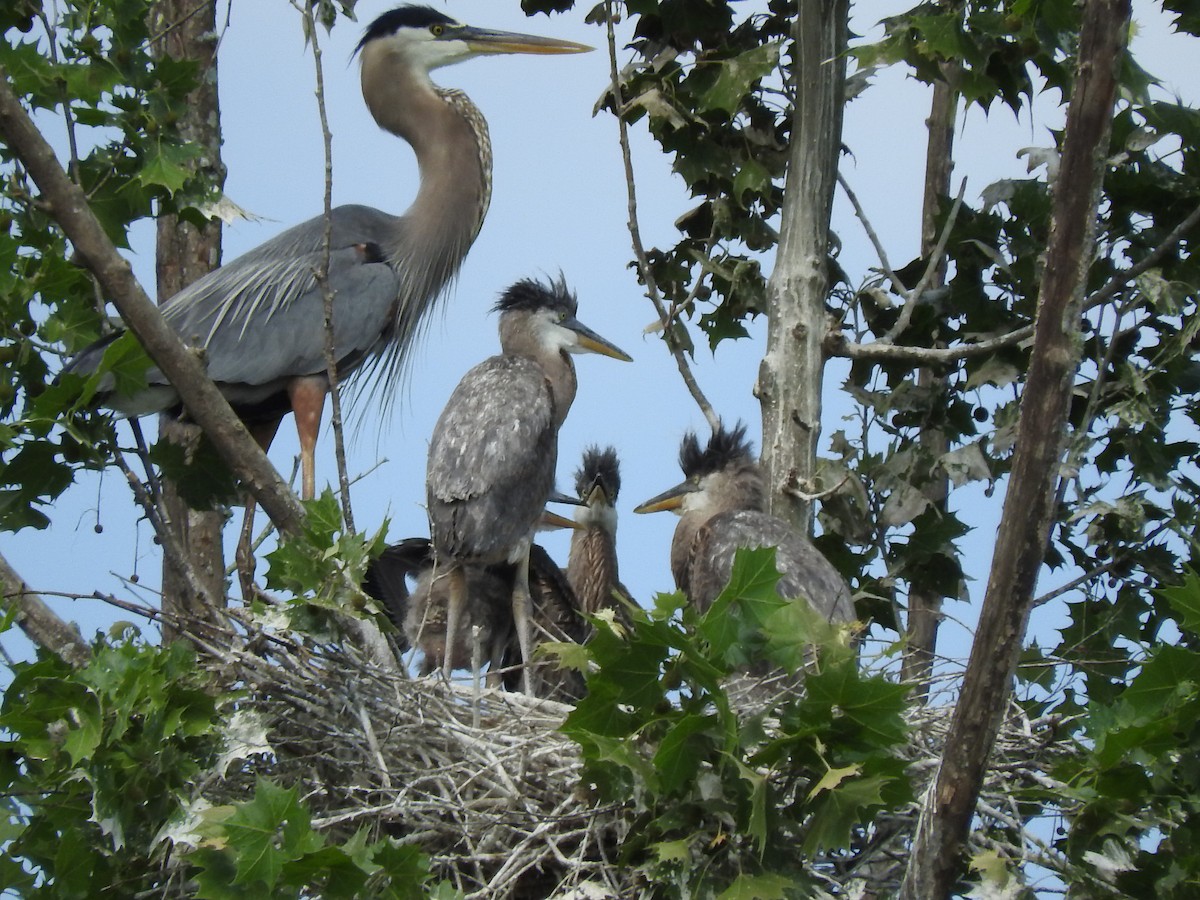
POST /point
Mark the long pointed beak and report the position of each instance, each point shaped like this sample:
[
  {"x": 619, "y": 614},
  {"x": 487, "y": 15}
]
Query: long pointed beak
[
  {"x": 668, "y": 499},
  {"x": 485, "y": 40},
  {"x": 592, "y": 342},
  {"x": 596, "y": 495},
  {"x": 551, "y": 521},
  {"x": 560, "y": 497}
]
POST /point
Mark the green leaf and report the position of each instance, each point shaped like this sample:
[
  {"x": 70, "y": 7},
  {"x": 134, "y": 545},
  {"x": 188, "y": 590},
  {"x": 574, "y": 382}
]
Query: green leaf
[
  {"x": 1185, "y": 601},
  {"x": 269, "y": 831},
  {"x": 736, "y": 77},
  {"x": 837, "y": 811},
  {"x": 681, "y": 753},
  {"x": 768, "y": 886},
  {"x": 168, "y": 165}
]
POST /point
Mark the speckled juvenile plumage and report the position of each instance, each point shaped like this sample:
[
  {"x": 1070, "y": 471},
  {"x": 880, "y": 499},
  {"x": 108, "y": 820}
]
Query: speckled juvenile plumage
[
  {"x": 420, "y": 613},
  {"x": 722, "y": 510},
  {"x": 494, "y": 449},
  {"x": 592, "y": 564}
]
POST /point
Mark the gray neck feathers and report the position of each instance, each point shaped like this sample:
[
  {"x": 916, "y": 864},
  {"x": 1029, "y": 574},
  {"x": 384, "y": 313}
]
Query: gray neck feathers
[{"x": 449, "y": 136}]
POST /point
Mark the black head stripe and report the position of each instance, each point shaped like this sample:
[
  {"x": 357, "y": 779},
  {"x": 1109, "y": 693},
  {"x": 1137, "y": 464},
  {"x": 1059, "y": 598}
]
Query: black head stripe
[{"x": 403, "y": 17}]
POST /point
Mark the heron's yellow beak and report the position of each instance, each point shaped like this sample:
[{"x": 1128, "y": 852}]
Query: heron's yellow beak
[
  {"x": 551, "y": 521},
  {"x": 669, "y": 499},
  {"x": 485, "y": 40},
  {"x": 592, "y": 342}
]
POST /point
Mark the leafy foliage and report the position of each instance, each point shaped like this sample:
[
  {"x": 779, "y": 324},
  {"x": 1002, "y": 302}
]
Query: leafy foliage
[
  {"x": 96, "y": 761},
  {"x": 1139, "y": 825},
  {"x": 268, "y": 844},
  {"x": 720, "y": 798},
  {"x": 91, "y": 62}
]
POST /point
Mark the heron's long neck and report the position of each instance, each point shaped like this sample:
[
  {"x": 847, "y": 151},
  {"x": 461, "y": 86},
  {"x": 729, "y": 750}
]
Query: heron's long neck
[{"x": 449, "y": 136}]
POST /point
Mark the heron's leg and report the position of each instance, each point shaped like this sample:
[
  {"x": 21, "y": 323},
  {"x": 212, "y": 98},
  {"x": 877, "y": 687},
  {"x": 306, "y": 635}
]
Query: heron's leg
[
  {"x": 522, "y": 611},
  {"x": 263, "y": 433},
  {"x": 307, "y": 396},
  {"x": 456, "y": 602}
]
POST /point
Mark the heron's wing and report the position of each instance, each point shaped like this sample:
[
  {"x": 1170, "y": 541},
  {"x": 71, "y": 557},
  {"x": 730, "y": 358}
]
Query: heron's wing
[
  {"x": 804, "y": 572},
  {"x": 387, "y": 577},
  {"x": 260, "y": 317},
  {"x": 491, "y": 459}
]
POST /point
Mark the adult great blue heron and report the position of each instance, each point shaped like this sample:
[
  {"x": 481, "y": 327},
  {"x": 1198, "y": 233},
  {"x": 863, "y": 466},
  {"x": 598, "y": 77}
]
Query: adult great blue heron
[
  {"x": 495, "y": 446},
  {"x": 260, "y": 319},
  {"x": 592, "y": 563},
  {"x": 721, "y": 506}
]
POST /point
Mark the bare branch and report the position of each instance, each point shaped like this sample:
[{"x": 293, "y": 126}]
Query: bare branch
[
  {"x": 937, "y": 849},
  {"x": 1151, "y": 259},
  {"x": 39, "y": 622},
  {"x": 639, "y": 250},
  {"x": 322, "y": 276},
  {"x": 874, "y": 238},
  {"x": 913, "y": 297},
  {"x": 203, "y": 400}
]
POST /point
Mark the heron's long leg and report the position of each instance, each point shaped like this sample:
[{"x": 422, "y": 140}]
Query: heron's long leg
[
  {"x": 456, "y": 602},
  {"x": 522, "y": 612},
  {"x": 263, "y": 433},
  {"x": 307, "y": 395}
]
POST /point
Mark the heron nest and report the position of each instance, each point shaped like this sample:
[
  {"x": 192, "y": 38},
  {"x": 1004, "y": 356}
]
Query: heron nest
[{"x": 486, "y": 785}]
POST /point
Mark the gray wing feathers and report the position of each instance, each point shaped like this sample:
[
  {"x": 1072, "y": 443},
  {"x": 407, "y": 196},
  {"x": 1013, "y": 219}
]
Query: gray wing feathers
[
  {"x": 491, "y": 459},
  {"x": 804, "y": 571},
  {"x": 256, "y": 314}
]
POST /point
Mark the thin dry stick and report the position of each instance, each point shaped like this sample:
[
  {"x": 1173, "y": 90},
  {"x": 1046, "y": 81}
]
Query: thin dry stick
[
  {"x": 836, "y": 343},
  {"x": 913, "y": 297},
  {"x": 639, "y": 250},
  {"x": 322, "y": 276}
]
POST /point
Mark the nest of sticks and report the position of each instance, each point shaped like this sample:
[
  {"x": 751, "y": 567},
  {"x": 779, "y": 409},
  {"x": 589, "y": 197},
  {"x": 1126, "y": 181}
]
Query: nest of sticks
[{"x": 485, "y": 784}]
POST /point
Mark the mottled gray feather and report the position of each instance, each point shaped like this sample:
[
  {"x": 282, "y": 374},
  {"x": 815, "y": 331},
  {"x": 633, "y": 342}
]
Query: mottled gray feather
[
  {"x": 484, "y": 496},
  {"x": 804, "y": 571}
]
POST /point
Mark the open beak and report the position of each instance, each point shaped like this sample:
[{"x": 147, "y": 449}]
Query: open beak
[
  {"x": 669, "y": 499},
  {"x": 552, "y": 521},
  {"x": 592, "y": 342},
  {"x": 596, "y": 495},
  {"x": 485, "y": 40},
  {"x": 560, "y": 497}
]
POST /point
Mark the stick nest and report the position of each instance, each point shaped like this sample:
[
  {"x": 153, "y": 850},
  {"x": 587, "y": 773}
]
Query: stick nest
[{"x": 483, "y": 782}]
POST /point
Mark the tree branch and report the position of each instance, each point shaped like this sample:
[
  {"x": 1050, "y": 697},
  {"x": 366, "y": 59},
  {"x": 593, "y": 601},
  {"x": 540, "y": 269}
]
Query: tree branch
[
  {"x": 635, "y": 234},
  {"x": 39, "y": 622},
  {"x": 936, "y": 855},
  {"x": 204, "y": 402},
  {"x": 322, "y": 276}
]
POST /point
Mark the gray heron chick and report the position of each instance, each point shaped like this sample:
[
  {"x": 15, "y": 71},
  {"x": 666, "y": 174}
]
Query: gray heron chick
[
  {"x": 495, "y": 446},
  {"x": 592, "y": 564},
  {"x": 721, "y": 505},
  {"x": 260, "y": 319},
  {"x": 419, "y": 612}
]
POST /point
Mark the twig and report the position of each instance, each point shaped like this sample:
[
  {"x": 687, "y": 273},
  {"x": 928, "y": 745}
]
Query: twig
[
  {"x": 639, "y": 250},
  {"x": 913, "y": 297},
  {"x": 874, "y": 238},
  {"x": 322, "y": 276}
]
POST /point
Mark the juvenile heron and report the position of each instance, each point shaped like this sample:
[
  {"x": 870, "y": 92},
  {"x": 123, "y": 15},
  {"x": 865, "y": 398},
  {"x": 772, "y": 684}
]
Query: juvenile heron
[
  {"x": 721, "y": 506},
  {"x": 419, "y": 613},
  {"x": 495, "y": 446},
  {"x": 260, "y": 319},
  {"x": 592, "y": 563}
]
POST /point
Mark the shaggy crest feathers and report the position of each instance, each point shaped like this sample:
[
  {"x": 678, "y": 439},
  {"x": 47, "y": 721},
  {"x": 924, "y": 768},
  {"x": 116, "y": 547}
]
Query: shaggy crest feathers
[
  {"x": 599, "y": 465},
  {"x": 403, "y": 17},
  {"x": 724, "y": 448},
  {"x": 530, "y": 295}
]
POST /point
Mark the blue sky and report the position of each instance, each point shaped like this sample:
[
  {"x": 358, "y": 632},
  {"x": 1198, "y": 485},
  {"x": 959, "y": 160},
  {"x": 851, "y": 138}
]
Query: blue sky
[{"x": 559, "y": 204}]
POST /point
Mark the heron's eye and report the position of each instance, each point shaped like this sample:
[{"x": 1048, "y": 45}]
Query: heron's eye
[{"x": 437, "y": 30}]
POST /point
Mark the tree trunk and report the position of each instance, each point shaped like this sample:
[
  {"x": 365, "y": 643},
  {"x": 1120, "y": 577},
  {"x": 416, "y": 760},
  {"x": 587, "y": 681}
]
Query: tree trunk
[
  {"x": 924, "y": 607},
  {"x": 186, "y": 29},
  {"x": 936, "y": 858},
  {"x": 790, "y": 376}
]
